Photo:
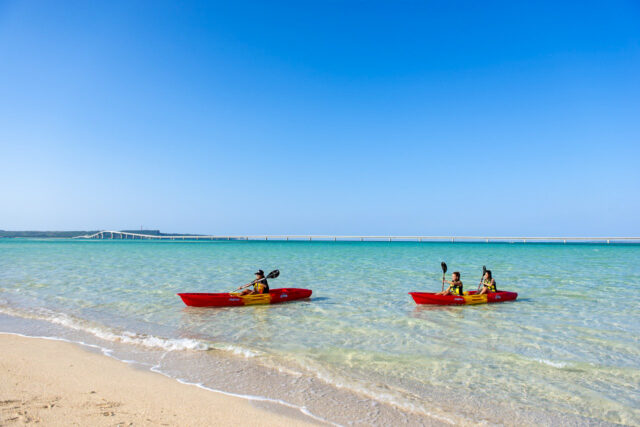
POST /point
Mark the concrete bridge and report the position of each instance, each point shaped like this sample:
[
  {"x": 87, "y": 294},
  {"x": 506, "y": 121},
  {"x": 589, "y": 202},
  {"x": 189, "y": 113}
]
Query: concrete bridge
[{"x": 126, "y": 235}]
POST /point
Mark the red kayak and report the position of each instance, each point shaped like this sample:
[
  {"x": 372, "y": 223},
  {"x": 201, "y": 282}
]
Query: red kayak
[
  {"x": 235, "y": 299},
  {"x": 467, "y": 298}
]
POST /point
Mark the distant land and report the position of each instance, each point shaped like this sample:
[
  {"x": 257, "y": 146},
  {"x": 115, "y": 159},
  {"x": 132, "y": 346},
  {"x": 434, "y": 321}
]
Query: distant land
[{"x": 70, "y": 234}]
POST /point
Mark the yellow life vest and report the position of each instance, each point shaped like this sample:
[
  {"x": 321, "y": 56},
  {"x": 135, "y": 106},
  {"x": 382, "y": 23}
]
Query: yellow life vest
[
  {"x": 456, "y": 289},
  {"x": 489, "y": 284},
  {"x": 261, "y": 287}
]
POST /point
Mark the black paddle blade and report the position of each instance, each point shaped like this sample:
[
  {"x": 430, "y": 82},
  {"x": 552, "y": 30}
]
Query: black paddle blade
[
  {"x": 273, "y": 274},
  {"x": 484, "y": 270},
  {"x": 444, "y": 267}
]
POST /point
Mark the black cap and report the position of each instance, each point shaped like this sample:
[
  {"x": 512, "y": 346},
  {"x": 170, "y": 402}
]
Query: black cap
[{"x": 260, "y": 272}]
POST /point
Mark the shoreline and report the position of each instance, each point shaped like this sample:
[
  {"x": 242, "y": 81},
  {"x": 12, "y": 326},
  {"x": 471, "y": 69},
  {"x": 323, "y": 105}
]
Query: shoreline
[
  {"x": 60, "y": 383},
  {"x": 264, "y": 389}
]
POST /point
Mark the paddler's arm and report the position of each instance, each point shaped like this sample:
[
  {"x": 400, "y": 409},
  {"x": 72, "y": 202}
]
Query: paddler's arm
[{"x": 251, "y": 284}]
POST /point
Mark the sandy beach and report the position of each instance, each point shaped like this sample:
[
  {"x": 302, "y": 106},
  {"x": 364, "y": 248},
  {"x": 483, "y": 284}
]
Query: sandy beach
[{"x": 59, "y": 383}]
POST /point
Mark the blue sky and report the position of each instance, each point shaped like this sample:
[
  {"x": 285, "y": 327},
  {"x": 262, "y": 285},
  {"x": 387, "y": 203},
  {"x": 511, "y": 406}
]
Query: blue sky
[{"x": 484, "y": 118}]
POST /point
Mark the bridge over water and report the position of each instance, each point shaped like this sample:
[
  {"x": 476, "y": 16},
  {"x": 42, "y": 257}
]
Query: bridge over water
[{"x": 127, "y": 235}]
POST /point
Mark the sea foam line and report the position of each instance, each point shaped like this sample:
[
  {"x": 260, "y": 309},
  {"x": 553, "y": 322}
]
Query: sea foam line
[{"x": 126, "y": 337}]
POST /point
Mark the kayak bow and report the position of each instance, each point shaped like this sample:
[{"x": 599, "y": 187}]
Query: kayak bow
[
  {"x": 234, "y": 299},
  {"x": 468, "y": 298}
]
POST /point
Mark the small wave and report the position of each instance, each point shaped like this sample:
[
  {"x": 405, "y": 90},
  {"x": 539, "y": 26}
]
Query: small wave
[
  {"x": 126, "y": 337},
  {"x": 552, "y": 363},
  {"x": 104, "y": 333},
  {"x": 239, "y": 351}
]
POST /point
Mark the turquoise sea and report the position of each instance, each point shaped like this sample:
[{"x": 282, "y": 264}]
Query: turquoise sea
[{"x": 359, "y": 352}]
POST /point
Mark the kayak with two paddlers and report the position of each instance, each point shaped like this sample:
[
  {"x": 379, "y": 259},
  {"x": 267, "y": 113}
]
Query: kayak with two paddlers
[{"x": 455, "y": 295}]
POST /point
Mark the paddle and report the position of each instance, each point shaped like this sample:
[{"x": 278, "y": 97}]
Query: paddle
[
  {"x": 444, "y": 271},
  {"x": 272, "y": 275},
  {"x": 484, "y": 270}
]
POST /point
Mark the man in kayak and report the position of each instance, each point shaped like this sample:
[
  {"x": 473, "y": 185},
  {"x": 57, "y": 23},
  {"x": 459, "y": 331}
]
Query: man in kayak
[
  {"x": 488, "y": 283},
  {"x": 455, "y": 285},
  {"x": 260, "y": 287}
]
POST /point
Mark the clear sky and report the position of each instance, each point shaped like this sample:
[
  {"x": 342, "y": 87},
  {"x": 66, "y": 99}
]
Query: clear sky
[{"x": 484, "y": 118}]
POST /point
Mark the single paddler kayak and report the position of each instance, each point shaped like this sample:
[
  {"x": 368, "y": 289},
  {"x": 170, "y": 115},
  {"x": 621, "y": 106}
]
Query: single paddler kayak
[
  {"x": 467, "y": 298},
  {"x": 233, "y": 299}
]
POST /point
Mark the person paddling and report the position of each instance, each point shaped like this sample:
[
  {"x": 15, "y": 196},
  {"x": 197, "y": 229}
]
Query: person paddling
[
  {"x": 261, "y": 286},
  {"x": 488, "y": 283},
  {"x": 455, "y": 285}
]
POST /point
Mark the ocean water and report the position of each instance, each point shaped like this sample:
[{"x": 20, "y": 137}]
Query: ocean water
[{"x": 359, "y": 352}]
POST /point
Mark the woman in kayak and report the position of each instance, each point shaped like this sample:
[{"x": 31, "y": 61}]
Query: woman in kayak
[
  {"x": 455, "y": 285},
  {"x": 488, "y": 283},
  {"x": 260, "y": 287}
]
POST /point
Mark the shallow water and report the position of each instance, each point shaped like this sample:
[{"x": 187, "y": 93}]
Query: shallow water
[{"x": 359, "y": 351}]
